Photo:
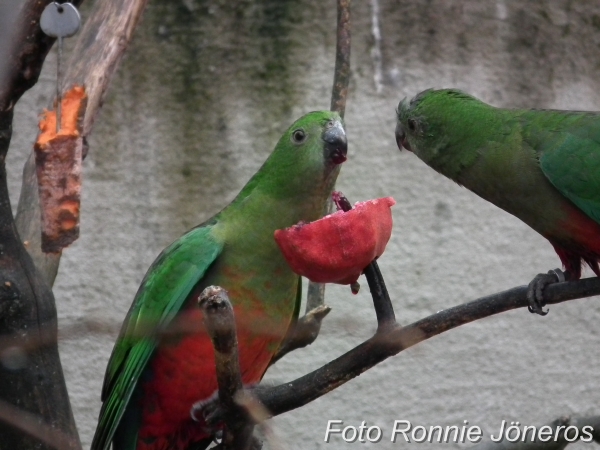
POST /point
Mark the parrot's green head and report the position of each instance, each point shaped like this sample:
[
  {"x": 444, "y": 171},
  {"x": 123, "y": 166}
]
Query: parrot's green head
[
  {"x": 315, "y": 138},
  {"x": 444, "y": 128},
  {"x": 306, "y": 160}
]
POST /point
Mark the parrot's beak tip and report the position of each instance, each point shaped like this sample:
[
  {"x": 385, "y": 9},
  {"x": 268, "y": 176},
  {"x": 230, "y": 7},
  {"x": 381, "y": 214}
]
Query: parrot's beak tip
[
  {"x": 338, "y": 156},
  {"x": 336, "y": 143},
  {"x": 401, "y": 138}
]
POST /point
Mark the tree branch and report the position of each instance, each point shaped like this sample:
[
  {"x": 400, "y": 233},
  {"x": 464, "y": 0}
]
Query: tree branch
[
  {"x": 341, "y": 77},
  {"x": 384, "y": 311},
  {"x": 391, "y": 339},
  {"x": 382, "y": 345},
  {"x": 304, "y": 332},
  {"x": 100, "y": 45},
  {"x": 220, "y": 326}
]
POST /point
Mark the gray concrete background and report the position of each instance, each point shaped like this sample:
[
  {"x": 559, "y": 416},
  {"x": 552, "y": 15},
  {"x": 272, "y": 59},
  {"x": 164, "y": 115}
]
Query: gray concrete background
[{"x": 198, "y": 103}]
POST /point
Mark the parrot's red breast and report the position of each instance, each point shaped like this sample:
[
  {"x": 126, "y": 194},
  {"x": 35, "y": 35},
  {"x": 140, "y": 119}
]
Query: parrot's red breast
[{"x": 183, "y": 373}]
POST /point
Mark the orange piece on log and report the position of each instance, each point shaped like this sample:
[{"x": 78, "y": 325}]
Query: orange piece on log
[{"x": 58, "y": 158}]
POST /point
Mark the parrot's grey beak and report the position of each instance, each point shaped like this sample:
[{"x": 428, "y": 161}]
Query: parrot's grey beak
[
  {"x": 401, "y": 138},
  {"x": 336, "y": 144}
]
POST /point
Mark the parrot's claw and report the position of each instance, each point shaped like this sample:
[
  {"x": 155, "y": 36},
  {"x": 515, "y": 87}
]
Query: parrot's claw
[
  {"x": 211, "y": 411},
  {"x": 535, "y": 290},
  {"x": 208, "y": 411}
]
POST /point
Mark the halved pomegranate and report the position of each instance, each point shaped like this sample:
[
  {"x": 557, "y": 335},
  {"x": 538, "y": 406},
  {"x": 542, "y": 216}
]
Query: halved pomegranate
[{"x": 338, "y": 247}]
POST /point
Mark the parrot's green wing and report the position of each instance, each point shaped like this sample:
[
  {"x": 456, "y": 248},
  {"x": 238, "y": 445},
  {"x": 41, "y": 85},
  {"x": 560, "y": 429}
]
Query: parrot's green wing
[
  {"x": 570, "y": 159},
  {"x": 161, "y": 295}
]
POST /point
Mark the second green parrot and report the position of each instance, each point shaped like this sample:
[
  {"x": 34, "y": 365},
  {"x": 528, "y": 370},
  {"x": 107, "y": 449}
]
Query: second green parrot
[
  {"x": 542, "y": 166},
  {"x": 157, "y": 372}
]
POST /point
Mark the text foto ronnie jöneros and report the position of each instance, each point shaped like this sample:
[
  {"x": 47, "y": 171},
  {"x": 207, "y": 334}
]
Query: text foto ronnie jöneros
[{"x": 405, "y": 431}]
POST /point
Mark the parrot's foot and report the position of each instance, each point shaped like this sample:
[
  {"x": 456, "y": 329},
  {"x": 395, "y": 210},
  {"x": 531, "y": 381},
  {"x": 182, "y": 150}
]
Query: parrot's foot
[
  {"x": 535, "y": 290},
  {"x": 210, "y": 411}
]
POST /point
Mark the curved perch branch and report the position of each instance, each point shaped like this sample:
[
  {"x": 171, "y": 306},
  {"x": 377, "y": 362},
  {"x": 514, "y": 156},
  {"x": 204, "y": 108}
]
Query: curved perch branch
[
  {"x": 263, "y": 402},
  {"x": 289, "y": 396},
  {"x": 386, "y": 318}
]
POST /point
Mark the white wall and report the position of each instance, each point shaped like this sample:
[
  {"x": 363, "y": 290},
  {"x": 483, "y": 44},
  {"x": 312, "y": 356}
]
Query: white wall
[{"x": 197, "y": 105}]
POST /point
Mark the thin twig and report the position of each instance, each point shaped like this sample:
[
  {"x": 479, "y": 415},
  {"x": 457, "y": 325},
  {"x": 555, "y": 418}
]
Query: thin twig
[
  {"x": 384, "y": 310},
  {"x": 315, "y": 297},
  {"x": 304, "y": 332},
  {"x": 376, "y": 50},
  {"x": 341, "y": 77}
]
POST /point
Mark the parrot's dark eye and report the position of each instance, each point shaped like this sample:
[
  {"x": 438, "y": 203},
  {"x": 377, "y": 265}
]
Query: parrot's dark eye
[
  {"x": 412, "y": 124},
  {"x": 299, "y": 136}
]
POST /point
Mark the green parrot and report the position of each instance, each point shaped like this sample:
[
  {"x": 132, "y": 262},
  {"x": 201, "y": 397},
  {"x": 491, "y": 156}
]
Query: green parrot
[
  {"x": 157, "y": 372},
  {"x": 542, "y": 166}
]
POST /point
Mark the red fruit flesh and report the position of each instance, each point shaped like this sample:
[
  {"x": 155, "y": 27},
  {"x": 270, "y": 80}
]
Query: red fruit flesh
[{"x": 337, "y": 248}]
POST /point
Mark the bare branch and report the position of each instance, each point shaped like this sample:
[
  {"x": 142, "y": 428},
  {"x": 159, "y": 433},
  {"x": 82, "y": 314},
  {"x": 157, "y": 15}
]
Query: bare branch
[
  {"x": 315, "y": 295},
  {"x": 382, "y": 345},
  {"x": 304, "y": 332},
  {"x": 384, "y": 310},
  {"x": 341, "y": 77},
  {"x": 220, "y": 326}
]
